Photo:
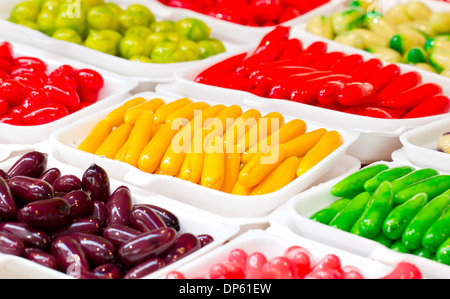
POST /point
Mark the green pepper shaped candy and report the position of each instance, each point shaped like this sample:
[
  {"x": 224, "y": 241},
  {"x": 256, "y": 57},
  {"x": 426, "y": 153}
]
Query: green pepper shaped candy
[
  {"x": 24, "y": 11},
  {"x": 353, "y": 184},
  {"x": 327, "y": 214},
  {"x": 167, "y": 52},
  {"x": 440, "y": 22},
  {"x": 68, "y": 35},
  {"x": 131, "y": 45},
  {"x": 443, "y": 253},
  {"x": 347, "y": 217},
  {"x": 437, "y": 233},
  {"x": 401, "y": 216},
  {"x": 432, "y": 186},
  {"x": 190, "y": 50},
  {"x": 193, "y": 29},
  {"x": 163, "y": 26},
  {"x": 423, "y": 252},
  {"x": 386, "y": 175},
  {"x": 321, "y": 26},
  {"x": 380, "y": 204},
  {"x": 382, "y": 239},
  {"x": 101, "y": 17},
  {"x": 348, "y": 19},
  {"x": 412, "y": 178},
  {"x": 414, "y": 232},
  {"x": 415, "y": 55}
]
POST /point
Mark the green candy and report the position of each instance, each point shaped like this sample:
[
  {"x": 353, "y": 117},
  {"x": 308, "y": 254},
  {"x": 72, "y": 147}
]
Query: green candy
[
  {"x": 347, "y": 217},
  {"x": 130, "y": 46},
  {"x": 139, "y": 31},
  {"x": 348, "y": 19},
  {"x": 193, "y": 29},
  {"x": 163, "y": 26},
  {"x": 353, "y": 184},
  {"x": 190, "y": 50},
  {"x": 414, "y": 232},
  {"x": 432, "y": 186},
  {"x": 102, "y": 40},
  {"x": 400, "y": 216},
  {"x": 327, "y": 214},
  {"x": 437, "y": 233},
  {"x": 386, "y": 175},
  {"x": 443, "y": 253},
  {"x": 415, "y": 55},
  {"x": 412, "y": 178},
  {"x": 69, "y": 35},
  {"x": 101, "y": 17},
  {"x": 25, "y": 11},
  {"x": 167, "y": 52},
  {"x": 321, "y": 26}
]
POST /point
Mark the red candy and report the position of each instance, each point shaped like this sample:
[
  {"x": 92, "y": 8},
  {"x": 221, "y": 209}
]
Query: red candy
[
  {"x": 295, "y": 263},
  {"x": 331, "y": 80},
  {"x": 31, "y": 95}
]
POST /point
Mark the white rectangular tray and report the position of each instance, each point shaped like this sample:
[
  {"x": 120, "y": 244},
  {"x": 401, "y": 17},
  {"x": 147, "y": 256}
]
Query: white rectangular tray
[
  {"x": 378, "y": 137},
  {"x": 143, "y": 72},
  {"x": 273, "y": 244},
  {"x": 66, "y": 140},
  {"x": 115, "y": 88},
  {"x": 293, "y": 217},
  {"x": 191, "y": 220}
]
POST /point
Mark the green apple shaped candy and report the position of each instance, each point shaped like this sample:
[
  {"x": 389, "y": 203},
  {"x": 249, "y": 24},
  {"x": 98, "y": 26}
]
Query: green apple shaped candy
[
  {"x": 174, "y": 37},
  {"x": 50, "y": 5},
  {"x": 46, "y": 22},
  {"x": 140, "y": 31},
  {"x": 206, "y": 48},
  {"x": 141, "y": 9},
  {"x": 140, "y": 58},
  {"x": 218, "y": 45},
  {"x": 27, "y": 10},
  {"x": 135, "y": 15},
  {"x": 190, "y": 49},
  {"x": 167, "y": 52},
  {"x": 114, "y": 8},
  {"x": 101, "y": 17},
  {"x": 70, "y": 17},
  {"x": 101, "y": 40},
  {"x": 163, "y": 26},
  {"x": 68, "y": 34},
  {"x": 193, "y": 29},
  {"x": 29, "y": 24},
  {"x": 131, "y": 45},
  {"x": 92, "y": 3}
]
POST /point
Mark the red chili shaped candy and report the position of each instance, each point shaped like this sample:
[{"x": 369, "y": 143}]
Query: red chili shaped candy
[
  {"x": 356, "y": 94},
  {"x": 347, "y": 63},
  {"x": 362, "y": 71},
  {"x": 413, "y": 96},
  {"x": 327, "y": 60},
  {"x": 307, "y": 93},
  {"x": 400, "y": 84},
  {"x": 292, "y": 48},
  {"x": 284, "y": 88},
  {"x": 327, "y": 94},
  {"x": 311, "y": 53},
  {"x": 6, "y": 51},
  {"x": 213, "y": 73},
  {"x": 434, "y": 105},
  {"x": 381, "y": 78}
]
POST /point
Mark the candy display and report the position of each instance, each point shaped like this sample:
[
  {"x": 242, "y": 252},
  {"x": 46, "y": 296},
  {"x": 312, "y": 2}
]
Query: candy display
[
  {"x": 31, "y": 94},
  {"x": 408, "y": 32},
  {"x": 332, "y": 80},
  {"x": 50, "y": 217},
  {"x": 400, "y": 207},
  {"x": 227, "y": 149},
  {"x": 255, "y": 13},
  {"x": 130, "y": 32},
  {"x": 186, "y": 140}
]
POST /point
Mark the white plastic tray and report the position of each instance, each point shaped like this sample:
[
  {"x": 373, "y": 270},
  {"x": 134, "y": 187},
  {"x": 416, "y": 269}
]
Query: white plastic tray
[
  {"x": 273, "y": 244},
  {"x": 143, "y": 72},
  {"x": 115, "y": 88},
  {"x": 384, "y": 5},
  {"x": 420, "y": 145},
  {"x": 236, "y": 33},
  {"x": 294, "y": 216},
  {"x": 191, "y": 220},
  {"x": 66, "y": 140},
  {"x": 378, "y": 137}
]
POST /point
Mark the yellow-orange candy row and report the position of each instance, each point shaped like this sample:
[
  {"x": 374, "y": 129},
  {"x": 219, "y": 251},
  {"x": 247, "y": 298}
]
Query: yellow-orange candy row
[{"x": 220, "y": 147}]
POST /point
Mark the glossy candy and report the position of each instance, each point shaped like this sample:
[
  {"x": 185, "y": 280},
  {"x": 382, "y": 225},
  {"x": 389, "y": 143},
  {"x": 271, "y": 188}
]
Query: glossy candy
[
  {"x": 30, "y": 189},
  {"x": 30, "y": 236},
  {"x": 184, "y": 245},
  {"x": 145, "y": 219},
  {"x": 30, "y": 164},
  {"x": 119, "y": 206},
  {"x": 49, "y": 213},
  {"x": 95, "y": 180}
]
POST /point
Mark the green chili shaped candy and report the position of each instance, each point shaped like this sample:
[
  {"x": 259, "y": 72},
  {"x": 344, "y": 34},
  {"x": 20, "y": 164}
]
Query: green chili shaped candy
[
  {"x": 414, "y": 232},
  {"x": 353, "y": 184},
  {"x": 348, "y": 216},
  {"x": 380, "y": 204},
  {"x": 432, "y": 186},
  {"x": 326, "y": 214},
  {"x": 399, "y": 247},
  {"x": 438, "y": 232},
  {"x": 386, "y": 175},
  {"x": 443, "y": 253},
  {"x": 400, "y": 216},
  {"x": 412, "y": 178}
]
